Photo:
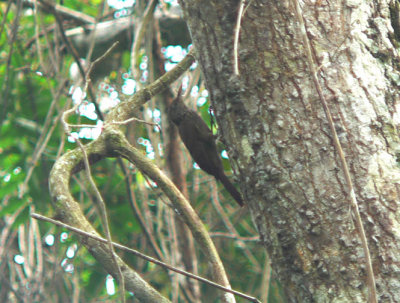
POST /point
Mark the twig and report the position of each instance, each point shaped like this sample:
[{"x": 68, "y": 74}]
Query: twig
[
  {"x": 102, "y": 206},
  {"x": 92, "y": 36},
  {"x": 229, "y": 226},
  {"x": 145, "y": 257},
  {"x": 137, "y": 211},
  {"x": 217, "y": 234},
  {"x": 126, "y": 110},
  {"x": 266, "y": 278},
  {"x": 71, "y": 163},
  {"x": 15, "y": 291},
  {"x": 5, "y": 88},
  {"x": 45, "y": 134},
  {"x": 83, "y": 125},
  {"x": 134, "y": 119},
  {"x": 91, "y": 181},
  {"x": 236, "y": 40},
  {"x": 74, "y": 53},
  {"x": 139, "y": 34},
  {"x": 66, "y": 12},
  {"x": 339, "y": 150}
]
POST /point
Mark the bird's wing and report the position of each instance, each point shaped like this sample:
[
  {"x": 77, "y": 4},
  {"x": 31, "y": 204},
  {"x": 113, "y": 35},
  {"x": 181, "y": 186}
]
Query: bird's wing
[{"x": 202, "y": 130}]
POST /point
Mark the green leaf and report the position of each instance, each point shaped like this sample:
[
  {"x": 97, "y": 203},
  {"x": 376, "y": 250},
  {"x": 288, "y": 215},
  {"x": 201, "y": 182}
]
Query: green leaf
[
  {"x": 22, "y": 217},
  {"x": 13, "y": 205}
]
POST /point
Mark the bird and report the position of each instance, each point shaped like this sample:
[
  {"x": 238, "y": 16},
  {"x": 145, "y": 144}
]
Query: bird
[{"x": 200, "y": 142}]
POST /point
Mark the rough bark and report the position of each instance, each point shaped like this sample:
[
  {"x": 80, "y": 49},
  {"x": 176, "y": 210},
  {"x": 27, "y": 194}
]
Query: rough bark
[{"x": 281, "y": 146}]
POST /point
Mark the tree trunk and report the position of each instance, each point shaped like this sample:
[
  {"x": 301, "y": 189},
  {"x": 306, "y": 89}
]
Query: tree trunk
[{"x": 282, "y": 148}]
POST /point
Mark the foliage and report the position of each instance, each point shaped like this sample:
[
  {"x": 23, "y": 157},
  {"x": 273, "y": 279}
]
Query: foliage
[{"x": 35, "y": 90}]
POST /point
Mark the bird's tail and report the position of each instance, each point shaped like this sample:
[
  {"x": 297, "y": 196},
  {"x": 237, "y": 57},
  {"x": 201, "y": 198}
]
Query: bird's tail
[{"x": 231, "y": 189}]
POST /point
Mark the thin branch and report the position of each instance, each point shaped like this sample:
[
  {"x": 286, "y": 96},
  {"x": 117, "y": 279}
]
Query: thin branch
[
  {"x": 73, "y": 161},
  {"x": 64, "y": 11},
  {"x": 139, "y": 34},
  {"x": 93, "y": 184},
  {"x": 217, "y": 234},
  {"x": 125, "y": 110},
  {"x": 123, "y": 148},
  {"x": 137, "y": 211},
  {"x": 236, "y": 40},
  {"x": 127, "y": 121},
  {"x": 74, "y": 53},
  {"x": 92, "y": 36},
  {"x": 15, "y": 291},
  {"x": 229, "y": 226},
  {"x": 45, "y": 135},
  {"x": 5, "y": 88},
  {"x": 145, "y": 257},
  {"x": 339, "y": 150},
  {"x": 102, "y": 204},
  {"x": 266, "y": 278},
  {"x": 5, "y": 19}
]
